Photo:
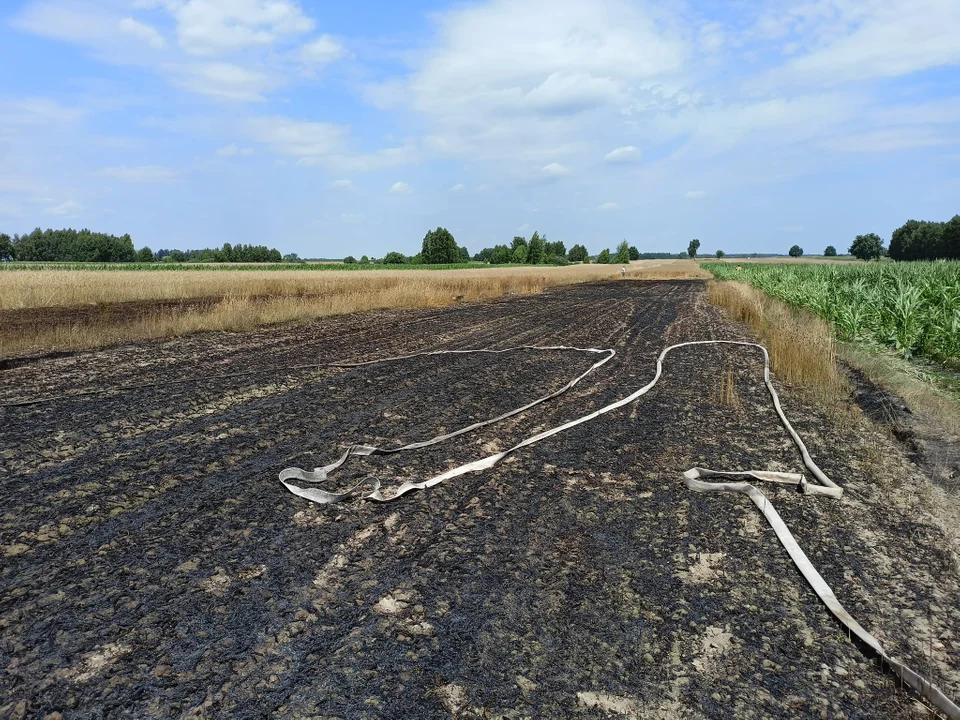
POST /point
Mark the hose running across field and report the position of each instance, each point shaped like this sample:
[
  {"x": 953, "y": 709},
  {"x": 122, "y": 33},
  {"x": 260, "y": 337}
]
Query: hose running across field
[{"x": 692, "y": 479}]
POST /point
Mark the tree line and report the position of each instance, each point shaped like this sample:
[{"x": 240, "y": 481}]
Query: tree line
[
  {"x": 69, "y": 245},
  {"x": 439, "y": 247}
]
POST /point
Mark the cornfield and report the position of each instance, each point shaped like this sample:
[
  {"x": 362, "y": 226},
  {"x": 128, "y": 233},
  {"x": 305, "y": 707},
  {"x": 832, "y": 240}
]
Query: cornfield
[{"x": 912, "y": 307}]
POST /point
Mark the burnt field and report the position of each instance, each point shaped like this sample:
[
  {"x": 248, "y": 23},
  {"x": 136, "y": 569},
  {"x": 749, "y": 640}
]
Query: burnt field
[{"x": 154, "y": 566}]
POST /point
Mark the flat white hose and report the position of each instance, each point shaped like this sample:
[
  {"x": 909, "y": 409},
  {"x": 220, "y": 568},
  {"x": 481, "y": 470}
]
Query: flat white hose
[{"x": 691, "y": 478}]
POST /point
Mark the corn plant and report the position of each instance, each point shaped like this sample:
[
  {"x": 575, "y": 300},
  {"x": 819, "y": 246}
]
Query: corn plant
[{"x": 912, "y": 307}]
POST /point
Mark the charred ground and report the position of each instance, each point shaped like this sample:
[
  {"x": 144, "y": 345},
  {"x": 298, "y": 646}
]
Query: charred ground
[{"x": 155, "y": 567}]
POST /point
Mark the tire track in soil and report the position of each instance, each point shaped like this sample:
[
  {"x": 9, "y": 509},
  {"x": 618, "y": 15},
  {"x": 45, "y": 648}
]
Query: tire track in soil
[{"x": 570, "y": 568}]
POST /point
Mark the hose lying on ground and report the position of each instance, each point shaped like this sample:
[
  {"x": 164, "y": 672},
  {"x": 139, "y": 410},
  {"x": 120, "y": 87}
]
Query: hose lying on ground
[{"x": 692, "y": 479}]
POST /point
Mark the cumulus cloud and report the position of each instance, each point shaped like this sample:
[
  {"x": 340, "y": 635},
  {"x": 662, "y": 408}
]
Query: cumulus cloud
[
  {"x": 694, "y": 194},
  {"x": 143, "y": 32},
  {"x": 216, "y": 27},
  {"x": 142, "y": 174},
  {"x": 608, "y": 206},
  {"x": 515, "y": 79},
  {"x": 400, "y": 188},
  {"x": 459, "y": 187},
  {"x": 625, "y": 154},
  {"x": 297, "y": 139},
  {"x": 554, "y": 171},
  {"x": 321, "y": 51},
  {"x": 343, "y": 185},
  {"x": 233, "y": 150}
]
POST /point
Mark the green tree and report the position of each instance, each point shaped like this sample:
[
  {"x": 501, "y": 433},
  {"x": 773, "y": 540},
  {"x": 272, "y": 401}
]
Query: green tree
[
  {"x": 364, "y": 260},
  {"x": 6, "y": 247},
  {"x": 349, "y": 260},
  {"x": 501, "y": 255},
  {"x": 484, "y": 255},
  {"x": 720, "y": 253},
  {"x": 796, "y": 251},
  {"x": 578, "y": 253},
  {"x": 464, "y": 254},
  {"x": 394, "y": 258},
  {"x": 951, "y": 238},
  {"x": 555, "y": 249},
  {"x": 867, "y": 247},
  {"x": 604, "y": 257},
  {"x": 634, "y": 253},
  {"x": 145, "y": 255},
  {"x": 535, "y": 252},
  {"x": 520, "y": 253},
  {"x": 622, "y": 257},
  {"x": 517, "y": 242},
  {"x": 440, "y": 248},
  {"x": 831, "y": 251},
  {"x": 692, "y": 248},
  {"x": 178, "y": 256}
]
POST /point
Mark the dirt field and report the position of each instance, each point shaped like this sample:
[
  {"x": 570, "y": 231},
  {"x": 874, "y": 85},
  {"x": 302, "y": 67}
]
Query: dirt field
[{"x": 155, "y": 567}]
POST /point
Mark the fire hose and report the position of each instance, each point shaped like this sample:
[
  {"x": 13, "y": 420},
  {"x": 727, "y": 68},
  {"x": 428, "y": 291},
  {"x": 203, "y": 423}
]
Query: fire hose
[{"x": 692, "y": 479}]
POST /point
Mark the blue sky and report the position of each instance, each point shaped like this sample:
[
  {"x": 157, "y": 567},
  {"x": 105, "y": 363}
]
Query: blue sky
[{"x": 335, "y": 128}]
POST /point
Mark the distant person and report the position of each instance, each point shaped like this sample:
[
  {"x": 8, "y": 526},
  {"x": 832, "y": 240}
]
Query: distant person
[{"x": 623, "y": 271}]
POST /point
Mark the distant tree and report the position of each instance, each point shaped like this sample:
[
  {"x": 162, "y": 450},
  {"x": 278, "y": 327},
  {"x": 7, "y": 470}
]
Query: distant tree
[
  {"x": 517, "y": 242},
  {"x": 484, "y": 255},
  {"x": 228, "y": 252},
  {"x": 501, "y": 255},
  {"x": 145, "y": 255},
  {"x": 535, "y": 249},
  {"x": 720, "y": 253},
  {"x": 867, "y": 247},
  {"x": 178, "y": 256},
  {"x": 622, "y": 256},
  {"x": 831, "y": 251},
  {"x": 349, "y": 260},
  {"x": 951, "y": 238},
  {"x": 692, "y": 248},
  {"x": 796, "y": 251},
  {"x": 520, "y": 253},
  {"x": 394, "y": 258},
  {"x": 555, "y": 249},
  {"x": 604, "y": 257},
  {"x": 634, "y": 253},
  {"x": 439, "y": 247},
  {"x": 6, "y": 247},
  {"x": 578, "y": 253},
  {"x": 464, "y": 254},
  {"x": 291, "y": 258},
  {"x": 364, "y": 260}
]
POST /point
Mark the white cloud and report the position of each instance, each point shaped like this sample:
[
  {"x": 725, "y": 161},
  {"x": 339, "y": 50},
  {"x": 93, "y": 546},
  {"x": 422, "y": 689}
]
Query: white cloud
[
  {"x": 607, "y": 206},
  {"x": 400, "y": 188},
  {"x": 344, "y": 185},
  {"x": 711, "y": 37},
  {"x": 625, "y": 154},
  {"x": 142, "y": 32},
  {"x": 859, "y": 41},
  {"x": 515, "y": 79},
  {"x": 694, "y": 194},
  {"x": 459, "y": 187},
  {"x": 224, "y": 81},
  {"x": 233, "y": 150},
  {"x": 67, "y": 209},
  {"x": 143, "y": 174},
  {"x": 35, "y": 112},
  {"x": 296, "y": 139},
  {"x": 554, "y": 171},
  {"x": 216, "y": 27},
  {"x": 321, "y": 51}
]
